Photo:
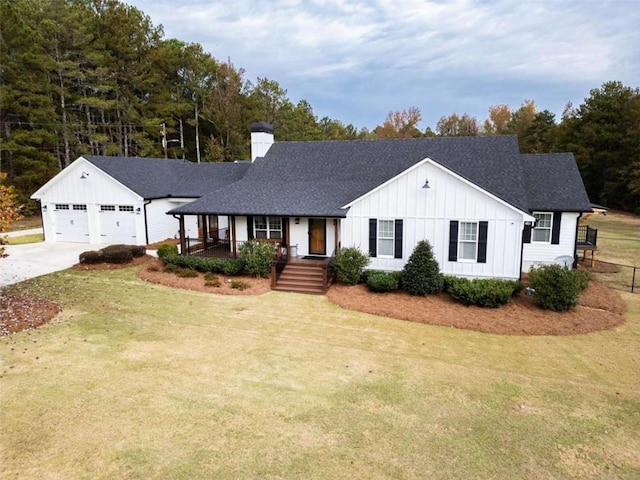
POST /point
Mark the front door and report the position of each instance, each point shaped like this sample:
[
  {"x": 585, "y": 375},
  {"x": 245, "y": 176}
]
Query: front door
[{"x": 317, "y": 236}]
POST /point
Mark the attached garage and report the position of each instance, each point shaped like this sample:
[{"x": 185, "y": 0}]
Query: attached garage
[
  {"x": 117, "y": 224},
  {"x": 71, "y": 222},
  {"x": 109, "y": 200}
]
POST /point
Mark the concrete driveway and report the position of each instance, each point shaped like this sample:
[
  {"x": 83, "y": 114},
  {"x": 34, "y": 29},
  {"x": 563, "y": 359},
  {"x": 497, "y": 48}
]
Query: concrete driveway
[{"x": 35, "y": 259}]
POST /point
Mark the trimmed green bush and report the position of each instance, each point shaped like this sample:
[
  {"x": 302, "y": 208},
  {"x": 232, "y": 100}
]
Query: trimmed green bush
[
  {"x": 233, "y": 266},
  {"x": 117, "y": 254},
  {"x": 583, "y": 278},
  {"x": 349, "y": 264},
  {"x": 556, "y": 287},
  {"x": 381, "y": 282},
  {"x": 167, "y": 249},
  {"x": 421, "y": 274},
  {"x": 228, "y": 266},
  {"x": 91, "y": 257},
  {"x": 483, "y": 292}
]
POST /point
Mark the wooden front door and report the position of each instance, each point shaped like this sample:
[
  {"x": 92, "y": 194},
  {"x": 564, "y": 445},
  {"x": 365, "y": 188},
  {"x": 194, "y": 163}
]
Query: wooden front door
[{"x": 317, "y": 236}]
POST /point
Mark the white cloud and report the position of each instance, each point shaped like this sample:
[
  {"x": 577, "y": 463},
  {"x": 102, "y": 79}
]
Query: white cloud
[{"x": 316, "y": 46}]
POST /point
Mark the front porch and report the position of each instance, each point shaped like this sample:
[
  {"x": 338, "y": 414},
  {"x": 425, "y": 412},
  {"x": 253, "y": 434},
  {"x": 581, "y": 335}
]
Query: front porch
[{"x": 303, "y": 247}]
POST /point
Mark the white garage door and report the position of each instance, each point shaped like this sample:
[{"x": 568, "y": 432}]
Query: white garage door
[
  {"x": 71, "y": 222},
  {"x": 117, "y": 224}
]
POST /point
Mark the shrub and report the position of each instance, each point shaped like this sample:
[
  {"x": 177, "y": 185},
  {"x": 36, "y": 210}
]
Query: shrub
[
  {"x": 382, "y": 281},
  {"x": 233, "y": 266},
  {"x": 186, "y": 273},
  {"x": 239, "y": 285},
  {"x": 211, "y": 280},
  {"x": 91, "y": 257},
  {"x": 258, "y": 257},
  {"x": 483, "y": 292},
  {"x": 421, "y": 274},
  {"x": 167, "y": 249},
  {"x": 171, "y": 268},
  {"x": 583, "y": 278},
  {"x": 117, "y": 254},
  {"x": 138, "y": 250},
  {"x": 555, "y": 287},
  {"x": 364, "y": 276},
  {"x": 349, "y": 264}
]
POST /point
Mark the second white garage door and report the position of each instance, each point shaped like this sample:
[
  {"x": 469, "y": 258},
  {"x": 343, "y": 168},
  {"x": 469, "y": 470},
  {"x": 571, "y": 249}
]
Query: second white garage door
[{"x": 117, "y": 224}]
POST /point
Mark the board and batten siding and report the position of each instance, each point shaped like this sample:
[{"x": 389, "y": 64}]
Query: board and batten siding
[
  {"x": 95, "y": 189},
  {"x": 162, "y": 226},
  {"x": 426, "y": 214},
  {"x": 543, "y": 253}
]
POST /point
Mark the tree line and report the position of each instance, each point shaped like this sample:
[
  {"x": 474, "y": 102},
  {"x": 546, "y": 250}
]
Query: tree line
[{"x": 97, "y": 77}]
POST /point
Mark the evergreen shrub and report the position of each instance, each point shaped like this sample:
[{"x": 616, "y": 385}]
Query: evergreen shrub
[
  {"x": 483, "y": 292},
  {"x": 167, "y": 249},
  {"x": 421, "y": 274}
]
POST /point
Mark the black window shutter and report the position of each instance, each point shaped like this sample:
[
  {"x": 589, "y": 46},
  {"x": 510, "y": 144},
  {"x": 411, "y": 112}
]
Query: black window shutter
[
  {"x": 373, "y": 237},
  {"x": 483, "y": 227},
  {"x": 250, "y": 227},
  {"x": 555, "y": 229},
  {"x": 453, "y": 241},
  {"x": 285, "y": 224},
  {"x": 398, "y": 239},
  {"x": 526, "y": 234}
]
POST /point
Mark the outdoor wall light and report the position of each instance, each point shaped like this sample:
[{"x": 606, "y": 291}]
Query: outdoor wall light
[
  {"x": 138, "y": 210},
  {"x": 297, "y": 220},
  {"x": 84, "y": 176},
  {"x": 44, "y": 208},
  {"x": 426, "y": 184}
]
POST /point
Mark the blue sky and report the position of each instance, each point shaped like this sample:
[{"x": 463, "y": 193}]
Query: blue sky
[{"x": 356, "y": 61}]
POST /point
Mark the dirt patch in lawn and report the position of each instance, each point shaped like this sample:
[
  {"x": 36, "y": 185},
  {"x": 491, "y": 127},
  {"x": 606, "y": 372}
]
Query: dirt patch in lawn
[
  {"x": 24, "y": 312},
  {"x": 600, "y": 308}
]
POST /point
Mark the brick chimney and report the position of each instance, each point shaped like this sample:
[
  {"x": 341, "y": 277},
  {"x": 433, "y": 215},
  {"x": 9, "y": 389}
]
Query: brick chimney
[{"x": 261, "y": 139}]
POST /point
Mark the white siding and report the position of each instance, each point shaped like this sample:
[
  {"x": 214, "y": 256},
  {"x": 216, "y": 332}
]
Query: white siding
[
  {"x": 95, "y": 189},
  {"x": 426, "y": 213},
  {"x": 544, "y": 253},
  {"x": 162, "y": 226}
]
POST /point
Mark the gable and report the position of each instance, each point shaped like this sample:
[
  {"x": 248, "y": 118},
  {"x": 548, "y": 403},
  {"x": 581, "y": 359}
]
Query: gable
[{"x": 83, "y": 182}]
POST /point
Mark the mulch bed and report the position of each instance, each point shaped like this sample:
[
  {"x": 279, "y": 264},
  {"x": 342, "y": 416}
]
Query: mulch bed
[{"x": 600, "y": 307}]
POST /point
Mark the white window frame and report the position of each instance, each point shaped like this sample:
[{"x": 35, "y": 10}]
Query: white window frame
[
  {"x": 468, "y": 238},
  {"x": 545, "y": 228},
  {"x": 269, "y": 229},
  {"x": 380, "y": 238}
]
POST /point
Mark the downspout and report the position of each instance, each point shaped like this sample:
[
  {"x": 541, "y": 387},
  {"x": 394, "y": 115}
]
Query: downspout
[
  {"x": 146, "y": 224},
  {"x": 575, "y": 242},
  {"x": 521, "y": 254}
]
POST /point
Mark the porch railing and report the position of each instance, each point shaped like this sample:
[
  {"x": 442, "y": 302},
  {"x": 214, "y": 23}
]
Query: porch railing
[
  {"x": 587, "y": 236},
  {"x": 221, "y": 248}
]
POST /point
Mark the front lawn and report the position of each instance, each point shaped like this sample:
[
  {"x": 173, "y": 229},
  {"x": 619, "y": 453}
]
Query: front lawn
[{"x": 136, "y": 380}]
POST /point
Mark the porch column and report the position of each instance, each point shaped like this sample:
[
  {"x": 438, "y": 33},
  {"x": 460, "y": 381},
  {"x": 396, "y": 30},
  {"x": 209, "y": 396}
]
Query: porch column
[
  {"x": 233, "y": 236},
  {"x": 183, "y": 240},
  {"x": 336, "y": 234},
  {"x": 288, "y": 238}
]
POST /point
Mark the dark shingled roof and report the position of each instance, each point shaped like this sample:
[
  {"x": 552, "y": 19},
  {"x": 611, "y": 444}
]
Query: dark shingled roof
[
  {"x": 553, "y": 183},
  {"x": 318, "y": 178},
  {"x": 159, "y": 178}
]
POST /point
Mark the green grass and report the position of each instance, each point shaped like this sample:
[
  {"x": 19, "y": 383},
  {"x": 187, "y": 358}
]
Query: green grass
[
  {"x": 23, "y": 239},
  {"x": 619, "y": 242},
  {"x": 136, "y": 380}
]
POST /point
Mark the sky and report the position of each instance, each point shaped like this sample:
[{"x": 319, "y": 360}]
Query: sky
[{"x": 356, "y": 61}]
